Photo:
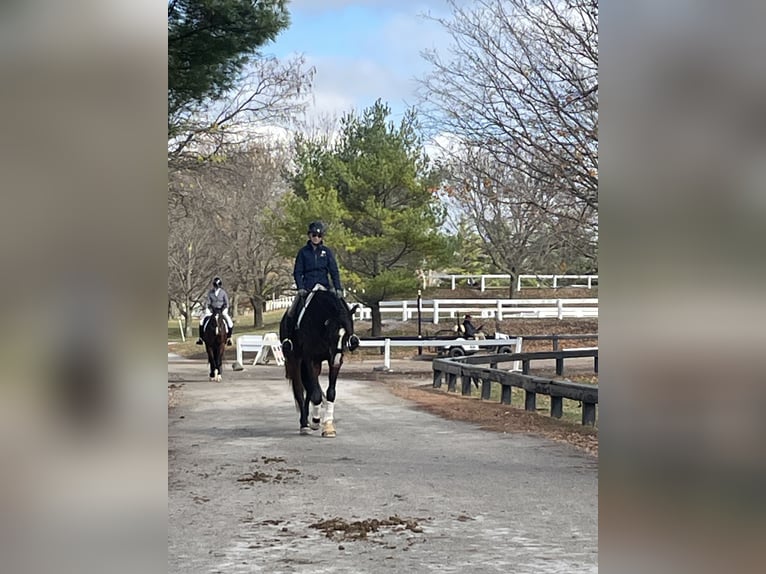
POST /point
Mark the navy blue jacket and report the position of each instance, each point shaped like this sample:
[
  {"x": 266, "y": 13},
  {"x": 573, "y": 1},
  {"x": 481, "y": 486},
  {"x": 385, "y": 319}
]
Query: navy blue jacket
[{"x": 313, "y": 266}]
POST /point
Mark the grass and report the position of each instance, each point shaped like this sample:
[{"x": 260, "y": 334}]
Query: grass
[{"x": 571, "y": 410}]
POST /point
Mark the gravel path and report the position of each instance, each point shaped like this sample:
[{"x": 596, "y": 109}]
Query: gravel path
[{"x": 399, "y": 490}]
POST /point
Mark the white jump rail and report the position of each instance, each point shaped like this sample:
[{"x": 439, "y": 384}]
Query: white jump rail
[
  {"x": 261, "y": 345},
  {"x": 388, "y": 343}
]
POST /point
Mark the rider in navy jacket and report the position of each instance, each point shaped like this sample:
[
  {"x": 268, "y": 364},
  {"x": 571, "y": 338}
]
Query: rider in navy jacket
[{"x": 314, "y": 264}]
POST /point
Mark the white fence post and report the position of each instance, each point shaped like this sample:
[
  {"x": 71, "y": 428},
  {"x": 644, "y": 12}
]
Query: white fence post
[
  {"x": 483, "y": 284},
  {"x": 560, "y": 307},
  {"x": 499, "y": 312},
  {"x": 387, "y": 355},
  {"x": 436, "y": 312},
  {"x": 404, "y": 310}
]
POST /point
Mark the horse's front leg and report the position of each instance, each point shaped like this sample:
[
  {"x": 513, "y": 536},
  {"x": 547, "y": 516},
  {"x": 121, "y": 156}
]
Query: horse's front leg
[
  {"x": 211, "y": 363},
  {"x": 316, "y": 398},
  {"x": 329, "y": 413}
]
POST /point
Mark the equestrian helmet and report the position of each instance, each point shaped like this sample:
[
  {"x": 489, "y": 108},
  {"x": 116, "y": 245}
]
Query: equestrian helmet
[
  {"x": 217, "y": 282},
  {"x": 316, "y": 227}
]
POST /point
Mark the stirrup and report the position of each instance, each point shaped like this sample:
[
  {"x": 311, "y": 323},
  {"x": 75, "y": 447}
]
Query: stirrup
[{"x": 287, "y": 345}]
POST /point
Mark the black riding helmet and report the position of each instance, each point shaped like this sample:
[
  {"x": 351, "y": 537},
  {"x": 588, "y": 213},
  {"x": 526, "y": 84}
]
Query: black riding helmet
[
  {"x": 217, "y": 282},
  {"x": 316, "y": 227}
]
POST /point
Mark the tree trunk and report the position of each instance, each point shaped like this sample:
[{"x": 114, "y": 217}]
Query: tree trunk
[
  {"x": 377, "y": 324},
  {"x": 258, "y": 307},
  {"x": 512, "y": 288},
  {"x": 234, "y": 305},
  {"x": 187, "y": 317}
]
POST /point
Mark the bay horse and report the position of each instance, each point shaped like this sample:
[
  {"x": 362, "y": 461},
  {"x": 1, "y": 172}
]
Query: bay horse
[
  {"x": 324, "y": 327},
  {"x": 214, "y": 335}
]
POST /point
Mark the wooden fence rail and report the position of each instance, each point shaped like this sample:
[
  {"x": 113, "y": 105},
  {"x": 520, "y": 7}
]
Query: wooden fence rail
[{"x": 471, "y": 369}]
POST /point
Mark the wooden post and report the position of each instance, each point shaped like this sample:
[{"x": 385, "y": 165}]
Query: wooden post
[
  {"x": 588, "y": 414},
  {"x": 559, "y": 366},
  {"x": 557, "y": 407},
  {"x": 437, "y": 379},
  {"x": 525, "y": 366},
  {"x": 530, "y": 401},
  {"x": 505, "y": 394},
  {"x": 466, "y": 386},
  {"x": 486, "y": 389},
  {"x": 451, "y": 382}
]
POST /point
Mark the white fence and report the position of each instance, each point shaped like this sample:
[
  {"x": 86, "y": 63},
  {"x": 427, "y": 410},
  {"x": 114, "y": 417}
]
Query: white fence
[
  {"x": 500, "y": 309},
  {"x": 279, "y": 303},
  {"x": 436, "y": 309},
  {"x": 555, "y": 280},
  {"x": 505, "y": 280}
]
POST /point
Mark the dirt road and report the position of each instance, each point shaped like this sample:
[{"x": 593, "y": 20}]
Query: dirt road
[{"x": 399, "y": 489}]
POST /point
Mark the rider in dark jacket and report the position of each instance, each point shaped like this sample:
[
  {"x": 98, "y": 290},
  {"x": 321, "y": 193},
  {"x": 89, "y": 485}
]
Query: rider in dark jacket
[{"x": 314, "y": 264}]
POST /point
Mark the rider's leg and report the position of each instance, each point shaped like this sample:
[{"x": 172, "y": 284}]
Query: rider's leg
[
  {"x": 202, "y": 325},
  {"x": 229, "y": 325},
  {"x": 287, "y": 343}
]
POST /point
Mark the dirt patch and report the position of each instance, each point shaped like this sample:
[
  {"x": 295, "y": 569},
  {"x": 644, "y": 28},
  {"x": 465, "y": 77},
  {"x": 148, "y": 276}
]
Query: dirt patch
[
  {"x": 340, "y": 530},
  {"x": 496, "y": 417},
  {"x": 174, "y": 391},
  {"x": 279, "y": 476}
]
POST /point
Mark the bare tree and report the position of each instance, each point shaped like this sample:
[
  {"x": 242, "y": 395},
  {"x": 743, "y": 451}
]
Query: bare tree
[
  {"x": 249, "y": 185},
  {"x": 520, "y": 95},
  {"x": 271, "y": 94},
  {"x": 191, "y": 264}
]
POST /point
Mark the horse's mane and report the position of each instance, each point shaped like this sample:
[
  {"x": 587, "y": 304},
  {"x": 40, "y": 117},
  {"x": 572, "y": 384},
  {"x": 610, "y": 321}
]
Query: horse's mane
[{"x": 326, "y": 309}]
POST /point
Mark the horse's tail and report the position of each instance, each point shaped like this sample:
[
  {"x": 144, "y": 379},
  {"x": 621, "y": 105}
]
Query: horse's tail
[
  {"x": 298, "y": 396},
  {"x": 293, "y": 375}
]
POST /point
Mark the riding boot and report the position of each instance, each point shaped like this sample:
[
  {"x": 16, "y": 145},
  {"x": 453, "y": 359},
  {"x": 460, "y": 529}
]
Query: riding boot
[
  {"x": 199, "y": 341},
  {"x": 228, "y": 336},
  {"x": 287, "y": 344}
]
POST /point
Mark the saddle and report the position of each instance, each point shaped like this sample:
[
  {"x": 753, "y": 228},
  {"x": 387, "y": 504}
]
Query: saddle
[
  {"x": 309, "y": 297},
  {"x": 206, "y": 319}
]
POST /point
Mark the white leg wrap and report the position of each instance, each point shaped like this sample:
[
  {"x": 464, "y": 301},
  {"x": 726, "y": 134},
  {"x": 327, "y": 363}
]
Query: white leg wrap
[{"x": 329, "y": 409}]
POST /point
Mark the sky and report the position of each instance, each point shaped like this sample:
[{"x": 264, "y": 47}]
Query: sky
[{"x": 363, "y": 50}]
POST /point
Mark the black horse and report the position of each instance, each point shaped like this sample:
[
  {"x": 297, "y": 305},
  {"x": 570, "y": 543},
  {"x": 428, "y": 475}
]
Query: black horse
[
  {"x": 323, "y": 332},
  {"x": 214, "y": 335}
]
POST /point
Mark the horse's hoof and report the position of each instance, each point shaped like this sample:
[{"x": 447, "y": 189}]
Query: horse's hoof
[
  {"x": 314, "y": 424},
  {"x": 305, "y": 430},
  {"x": 329, "y": 430}
]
